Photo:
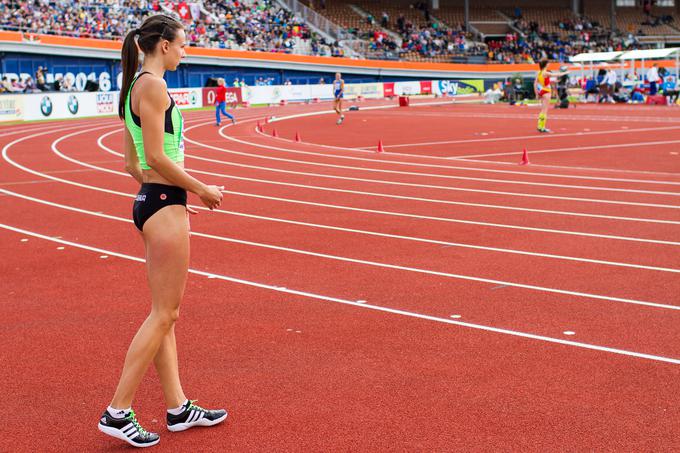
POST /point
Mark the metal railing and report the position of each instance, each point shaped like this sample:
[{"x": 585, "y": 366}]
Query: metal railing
[{"x": 336, "y": 32}]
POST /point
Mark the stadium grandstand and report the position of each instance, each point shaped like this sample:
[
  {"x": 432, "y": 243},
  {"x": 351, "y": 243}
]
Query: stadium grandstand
[{"x": 434, "y": 31}]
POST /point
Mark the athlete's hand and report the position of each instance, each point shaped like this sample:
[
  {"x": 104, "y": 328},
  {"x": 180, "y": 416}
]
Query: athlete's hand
[{"x": 212, "y": 196}]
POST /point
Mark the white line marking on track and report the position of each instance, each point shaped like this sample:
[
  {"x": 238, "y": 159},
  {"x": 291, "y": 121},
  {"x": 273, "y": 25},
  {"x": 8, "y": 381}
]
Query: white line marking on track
[
  {"x": 573, "y": 148},
  {"x": 528, "y": 137},
  {"x": 415, "y": 164},
  {"x": 305, "y": 294},
  {"x": 444, "y": 158},
  {"x": 4, "y": 152},
  {"x": 369, "y": 263},
  {"x": 443, "y": 219},
  {"x": 419, "y": 174},
  {"x": 403, "y": 197},
  {"x": 588, "y": 169}
]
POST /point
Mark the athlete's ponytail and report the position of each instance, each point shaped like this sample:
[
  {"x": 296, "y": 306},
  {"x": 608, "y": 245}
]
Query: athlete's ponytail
[
  {"x": 144, "y": 39},
  {"x": 129, "y": 62}
]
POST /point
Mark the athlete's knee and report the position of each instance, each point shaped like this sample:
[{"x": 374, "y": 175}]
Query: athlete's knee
[{"x": 166, "y": 317}]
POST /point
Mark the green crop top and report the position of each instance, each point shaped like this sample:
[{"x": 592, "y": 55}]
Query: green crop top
[{"x": 173, "y": 137}]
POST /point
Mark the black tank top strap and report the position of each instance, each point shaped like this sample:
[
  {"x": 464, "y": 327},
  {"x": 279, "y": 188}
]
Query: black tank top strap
[{"x": 168, "y": 117}]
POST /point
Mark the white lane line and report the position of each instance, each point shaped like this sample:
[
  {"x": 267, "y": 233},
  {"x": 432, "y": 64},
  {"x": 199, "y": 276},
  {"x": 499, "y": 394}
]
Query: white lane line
[
  {"x": 452, "y": 167},
  {"x": 573, "y": 148},
  {"x": 372, "y": 233},
  {"x": 377, "y": 170},
  {"x": 603, "y": 118},
  {"x": 427, "y": 175},
  {"x": 588, "y": 169},
  {"x": 305, "y": 294},
  {"x": 366, "y": 262},
  {"x": 432, "y": 157},
  {"x": 422, "y": 186},
  {"x": 529, "y": 137},
  {"x": 430, "y": 200},
  {"x": 420, "y": 199},
  {"x": 453, "y": 220},
  {"x": 378, "y": 234}
]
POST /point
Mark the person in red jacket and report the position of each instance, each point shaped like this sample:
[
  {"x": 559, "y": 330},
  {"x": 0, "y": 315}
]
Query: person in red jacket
[{"x": 221, "y": 103}]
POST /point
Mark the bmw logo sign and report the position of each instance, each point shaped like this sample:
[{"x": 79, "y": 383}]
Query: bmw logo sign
[
  {"x": 46, "y": 106},
  {"x": 72, "y": 104}
]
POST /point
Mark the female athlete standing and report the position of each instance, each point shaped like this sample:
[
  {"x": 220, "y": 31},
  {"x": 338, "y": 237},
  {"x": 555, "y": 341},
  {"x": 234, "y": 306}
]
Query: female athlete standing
[
  {"x": 154, "y": 156},
  {"x": 338, "y": 93},
  {"x": 543, "y": 92}
]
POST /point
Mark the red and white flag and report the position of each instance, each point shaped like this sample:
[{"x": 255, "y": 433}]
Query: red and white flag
[{"x": 184, "y": 11}]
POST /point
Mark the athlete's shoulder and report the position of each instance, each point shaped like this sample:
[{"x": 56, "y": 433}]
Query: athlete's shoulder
[
  {"x": 152, "y": 82},
  {"x": 153, "y": 89}
]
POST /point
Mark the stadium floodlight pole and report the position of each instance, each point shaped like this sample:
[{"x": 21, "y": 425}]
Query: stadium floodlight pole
[{"x": 467, "y": 16}]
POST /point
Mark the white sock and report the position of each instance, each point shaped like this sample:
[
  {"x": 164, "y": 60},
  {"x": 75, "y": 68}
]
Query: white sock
[
  {"x": 118, "y": 413},
  {"x": 178, "y": 410}
]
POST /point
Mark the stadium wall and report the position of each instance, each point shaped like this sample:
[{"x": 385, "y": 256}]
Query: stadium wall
[{"x": 60, "y": 105}]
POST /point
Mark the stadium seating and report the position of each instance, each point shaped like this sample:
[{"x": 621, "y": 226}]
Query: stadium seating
[{"x": 405, "y": 29}]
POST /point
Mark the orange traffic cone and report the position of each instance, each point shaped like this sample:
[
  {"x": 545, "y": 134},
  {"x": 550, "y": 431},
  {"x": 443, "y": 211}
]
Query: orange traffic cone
[
  {"x": 274, "y": 134},
  {"x": 525, "y": 157},
  {"x": 266, "y": 120},
  {"x": 297, "y": 137},
  {"x": 259, "y": 127},
  {"x": 380, "y": 147}
]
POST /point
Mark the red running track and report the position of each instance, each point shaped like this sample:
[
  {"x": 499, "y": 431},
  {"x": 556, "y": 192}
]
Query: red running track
[{"x": 344, "y": 300}]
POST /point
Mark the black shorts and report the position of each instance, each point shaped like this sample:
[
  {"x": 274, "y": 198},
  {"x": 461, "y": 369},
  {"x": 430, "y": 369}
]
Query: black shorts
[{"x": 152, "y": 197}]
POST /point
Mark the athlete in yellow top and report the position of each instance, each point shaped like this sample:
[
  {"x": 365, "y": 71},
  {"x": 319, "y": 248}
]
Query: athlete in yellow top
[{"x": 544, "y": 92}]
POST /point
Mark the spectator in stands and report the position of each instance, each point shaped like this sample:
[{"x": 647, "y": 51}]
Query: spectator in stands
[
  {"x": 385, "y": 21},
  {"x": 653, "y": 79},
  {"x": 637, "y": 95},
  {"x": 29, "y": 85},
  {"x": 236, "y": 82},
  {"x": 67, "y": 84},
  {"x": 670, "y": 90},
  {"x": 608, "y": 86},
  {"x": 40, "y": 79},
  {"x": 591, "y": 88},
  {"x": 401, "y": 23},
  {"x": 18, "y": 86},
  {"x": 6, "y": 85},
  {"x": 493, "y": 94},
  {"x": 56, "y": 85}
]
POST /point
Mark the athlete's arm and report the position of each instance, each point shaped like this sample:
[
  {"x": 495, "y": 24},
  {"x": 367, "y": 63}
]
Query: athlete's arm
[
  {"x": 152, "y": 105},
  {"x": 131, "y": 160}
]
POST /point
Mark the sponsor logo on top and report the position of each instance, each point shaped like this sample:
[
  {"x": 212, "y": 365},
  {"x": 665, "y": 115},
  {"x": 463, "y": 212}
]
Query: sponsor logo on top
[
  {"x": 46, "y": 106},
  {"x": 184, "y": 98},
  {"x": 105, "y": 103},
  {"x": 72, "y": 104}
]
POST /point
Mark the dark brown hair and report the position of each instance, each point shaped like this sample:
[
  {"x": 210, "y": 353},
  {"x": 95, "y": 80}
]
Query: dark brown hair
[
  {"x": 147, "y": 36},
  {"x": 543, "y": 63}
]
